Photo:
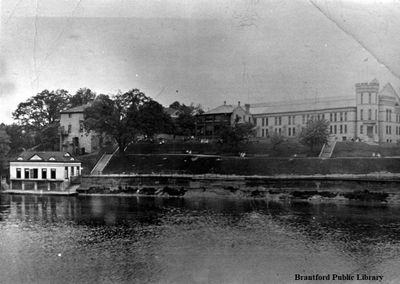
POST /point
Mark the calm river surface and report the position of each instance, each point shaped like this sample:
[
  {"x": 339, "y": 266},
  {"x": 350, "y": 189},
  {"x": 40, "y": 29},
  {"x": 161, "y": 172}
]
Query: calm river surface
[{"x": 102, "y": 239}]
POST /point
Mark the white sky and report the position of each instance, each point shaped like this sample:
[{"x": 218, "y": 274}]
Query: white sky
[{"x": 204, "y": 51}]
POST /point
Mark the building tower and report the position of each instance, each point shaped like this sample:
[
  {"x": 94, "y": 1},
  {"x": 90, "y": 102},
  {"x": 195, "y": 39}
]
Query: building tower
[{"x": 367, "y": 105}]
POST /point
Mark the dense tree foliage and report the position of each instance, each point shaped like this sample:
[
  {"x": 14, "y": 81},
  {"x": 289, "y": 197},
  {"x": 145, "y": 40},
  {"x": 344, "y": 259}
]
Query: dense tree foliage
[
  {"x": 42, "y": 109},
  {"x": 185, "y": 123},
  {"x": 125, "y": 116},
  {"x": 238, "y": 133},
  {"x": 82, "y": 97},
  {"x": 315, "y": 134},
  {"x": 4, "y": 149},
  {"x": 152, "y": 119},
  {"x": 20, "y": 138}
]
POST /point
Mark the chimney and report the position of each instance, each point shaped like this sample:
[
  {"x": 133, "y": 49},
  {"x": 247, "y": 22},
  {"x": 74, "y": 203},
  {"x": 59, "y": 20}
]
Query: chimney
[
  {"x": 238, "y": 103},
  {"x": 247, "y": 108}
]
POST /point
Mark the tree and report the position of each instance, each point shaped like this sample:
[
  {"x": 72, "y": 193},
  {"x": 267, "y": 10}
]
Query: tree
[
  {"x": 82, "y": 97},
  {"x": 316, "y": 133},
  {"x": 20, "y": 138},
  {"x": 276, "y": 139},
  {"x": 237, "y": 134},
  {"x": 185, "y": 124},
  {"x": 4, "y": 149},
  {"x": 42, "y": 109},
  {"x": 124, "y": 116},
  {"x": 152, "y": 119}
]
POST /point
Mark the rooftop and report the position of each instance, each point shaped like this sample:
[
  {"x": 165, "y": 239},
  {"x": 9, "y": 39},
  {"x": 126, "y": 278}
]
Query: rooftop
[
  {"x": 45, "y": 157},
  {"x": 77, "y": 109},
  {"x": 303, "y": 105}
]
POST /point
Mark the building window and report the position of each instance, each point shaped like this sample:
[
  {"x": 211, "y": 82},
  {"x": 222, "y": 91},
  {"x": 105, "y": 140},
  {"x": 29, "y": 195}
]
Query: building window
[
  {"x": 69, "y": 128},
  {"x": 341, "y": 129},
  {"x": 370, "y": 114},
  {"x": 361, "y": 114},
  {"x": 81, "y": 127},
  {"x": 72, "y": 171},
  {"x": 345, "y": 128},
  {"x": 53, "y": 173},
  {"x": 18, "y": 172},
  {"x": 266, "y": 121},
  {"x": 345, "y": 116},
  {"x": 330, "y": 129},
  {"x": 341, "y": 116},
  {"x": 34, "y": 173},
  {"x": 334, "y": 129},
  {"x": 44, "y": 173},
  {"x": 335, "y": 116},
  {"x": 361, "y": 129},
  {"x": 276, "y": 120},
  {"x": 69, "y": 115},
  {"x": 280, "y": 120},
  {"x": 280, "y": 131},
  {"x": 369, "y": 98},
  {"x": 290, "y": 131},
  {"x": 362, "y": 98},
  {"x": 376, "y": 114},
  {"x": 262, "y": 132},
  {"x": 263, "y": 122},
  {"x": 26, "y": 171},
  {"x": 304, "y": 119},
  {"x": 266, "y": 134}
]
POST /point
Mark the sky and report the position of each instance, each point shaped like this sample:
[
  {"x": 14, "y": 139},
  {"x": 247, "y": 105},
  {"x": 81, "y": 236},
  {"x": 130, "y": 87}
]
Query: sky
[{"x": 203, "y": 51}]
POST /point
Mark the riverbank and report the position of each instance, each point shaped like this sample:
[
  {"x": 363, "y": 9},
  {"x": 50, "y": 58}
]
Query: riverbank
[{"x": 374, "y": 186}]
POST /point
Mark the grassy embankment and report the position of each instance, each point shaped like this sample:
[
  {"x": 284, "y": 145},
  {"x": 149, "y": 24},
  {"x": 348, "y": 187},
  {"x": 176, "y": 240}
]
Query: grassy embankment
[{"x": 261, "y": 159}]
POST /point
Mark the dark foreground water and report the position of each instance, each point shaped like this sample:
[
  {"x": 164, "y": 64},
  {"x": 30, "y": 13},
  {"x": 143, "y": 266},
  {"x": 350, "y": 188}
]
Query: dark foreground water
[{"x": 159, "y": 240}]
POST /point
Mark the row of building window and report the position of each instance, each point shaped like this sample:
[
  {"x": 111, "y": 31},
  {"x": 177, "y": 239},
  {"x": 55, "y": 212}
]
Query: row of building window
[
  {"x": 369, "y": 98},
  {"x": 338, "y": 129},
  {"x": 291, "y": 131},
  {"x": 333, "y": 117},
  {"x": 369, "y": 114},
  {"x": 34, "y": 173},
  {"x": 81, "y": 127}
]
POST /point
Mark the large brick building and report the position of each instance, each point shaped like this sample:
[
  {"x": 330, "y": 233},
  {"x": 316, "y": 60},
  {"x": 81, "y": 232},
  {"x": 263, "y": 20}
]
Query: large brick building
[{"x": 372, "y": 114}]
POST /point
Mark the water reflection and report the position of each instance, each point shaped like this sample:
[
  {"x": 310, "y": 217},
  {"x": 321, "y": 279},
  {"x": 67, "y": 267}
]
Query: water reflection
[{"x": 199, "y": 240}]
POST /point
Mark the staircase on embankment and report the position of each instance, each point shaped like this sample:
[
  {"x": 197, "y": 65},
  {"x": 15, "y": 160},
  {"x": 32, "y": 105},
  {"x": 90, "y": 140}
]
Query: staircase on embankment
[
  {"x": 102, "y": 163},
  {"x": 327, "y": 149}
]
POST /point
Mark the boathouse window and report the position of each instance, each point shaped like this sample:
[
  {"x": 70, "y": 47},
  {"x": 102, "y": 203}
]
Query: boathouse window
[
  {"x": 72, "y": 171},
  {"x": 26, "y": 173},
  {"x": 77, "y": 170},
  {"x": 44, "y": 173},
  {"x": 18, "y": 172},
  {"x": 53, "y": 173},
  {"x": 66, "y": 173},
  {"x": 34, "y": 173}
]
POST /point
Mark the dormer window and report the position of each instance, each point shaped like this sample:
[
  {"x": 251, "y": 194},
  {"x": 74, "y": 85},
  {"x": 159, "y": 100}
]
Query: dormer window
[
  {"x": 20, "y": 159},
  {"x": 67, "y": 155},
  {"x": 72, "y": 159},
  {"x": 52, "y": 159}
]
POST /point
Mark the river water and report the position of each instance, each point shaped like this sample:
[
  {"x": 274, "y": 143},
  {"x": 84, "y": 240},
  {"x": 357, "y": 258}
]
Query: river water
[{"x": 103, "y": 239}]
